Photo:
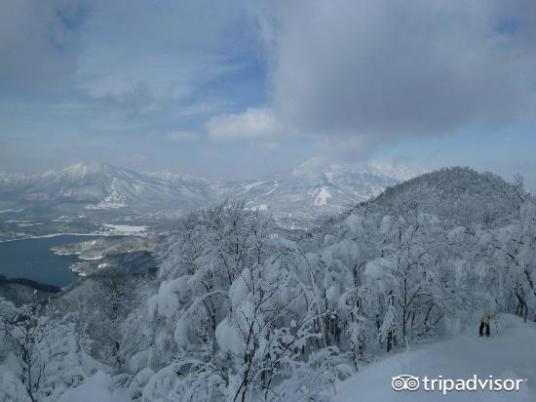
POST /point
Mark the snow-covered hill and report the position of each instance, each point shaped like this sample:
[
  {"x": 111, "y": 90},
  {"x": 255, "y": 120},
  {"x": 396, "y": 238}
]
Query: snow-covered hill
[
  {"x": 457, "y": 194},
  {"x": 510, "y": 353}
]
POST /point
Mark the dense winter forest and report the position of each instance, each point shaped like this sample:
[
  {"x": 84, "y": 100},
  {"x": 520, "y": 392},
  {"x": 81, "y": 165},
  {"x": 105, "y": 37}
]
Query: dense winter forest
[{"x": 242, "y": 310}]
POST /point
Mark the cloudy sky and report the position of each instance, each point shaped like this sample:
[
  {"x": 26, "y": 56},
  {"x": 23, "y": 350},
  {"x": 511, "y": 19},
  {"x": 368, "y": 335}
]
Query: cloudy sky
[{"x": 243, "y": 88}]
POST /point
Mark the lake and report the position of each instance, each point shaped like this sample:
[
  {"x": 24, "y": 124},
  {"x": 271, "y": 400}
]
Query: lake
[{"x": 33, "y": 259}]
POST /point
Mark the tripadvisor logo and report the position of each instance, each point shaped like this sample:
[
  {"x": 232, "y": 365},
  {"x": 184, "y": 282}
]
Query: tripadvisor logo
[{"x": 407, "y": 382}]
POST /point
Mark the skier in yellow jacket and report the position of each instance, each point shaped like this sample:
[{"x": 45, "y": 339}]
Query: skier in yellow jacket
[{"x": 484, "y": 324}]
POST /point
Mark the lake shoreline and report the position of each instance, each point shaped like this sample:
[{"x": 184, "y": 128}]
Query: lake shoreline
[
  {"x": 51, "y": 235},
  {"x": 51, "y": 258},
  {"x": 95, "y": 234},
  {"x": 32, "y": 258}
]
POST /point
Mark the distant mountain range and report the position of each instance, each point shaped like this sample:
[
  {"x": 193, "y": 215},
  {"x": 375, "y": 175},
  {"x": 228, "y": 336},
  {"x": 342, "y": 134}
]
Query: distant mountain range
[
  {"x": 309, "y": 195},
  {"x": 102, "y": 192},
  {"x": 101, "y": 187}
]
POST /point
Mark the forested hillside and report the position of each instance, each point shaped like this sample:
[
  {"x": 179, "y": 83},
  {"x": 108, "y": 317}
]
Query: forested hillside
[{"x": 242, "y": 310}]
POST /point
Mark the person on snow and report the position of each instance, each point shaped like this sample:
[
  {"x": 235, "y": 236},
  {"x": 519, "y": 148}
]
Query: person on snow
[{"x": 484, "y": 324}]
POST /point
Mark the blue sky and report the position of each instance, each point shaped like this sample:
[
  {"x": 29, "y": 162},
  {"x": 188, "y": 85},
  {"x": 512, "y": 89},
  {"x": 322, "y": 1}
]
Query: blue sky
[{"x": 241, "y": 89}]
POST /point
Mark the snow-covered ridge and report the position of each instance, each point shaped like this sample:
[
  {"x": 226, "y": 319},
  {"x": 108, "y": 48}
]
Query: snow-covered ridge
[{"x": 304, "y": 195}]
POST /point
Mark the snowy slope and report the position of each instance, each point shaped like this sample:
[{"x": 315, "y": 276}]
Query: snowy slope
[{"x": 510, "y": 354}]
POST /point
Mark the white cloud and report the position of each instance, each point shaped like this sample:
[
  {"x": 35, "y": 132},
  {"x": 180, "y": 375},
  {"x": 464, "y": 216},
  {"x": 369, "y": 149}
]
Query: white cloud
[
  {"x": 159, "y": 47},
  {"x": 253, "y": 124},
  {"x": 385, "y": 70},
  {"x": 361, "y": 74}
]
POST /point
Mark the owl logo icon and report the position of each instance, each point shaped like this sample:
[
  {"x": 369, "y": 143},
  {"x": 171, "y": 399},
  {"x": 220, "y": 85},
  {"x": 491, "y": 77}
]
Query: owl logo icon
[{"x": 405, "y": 382}]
